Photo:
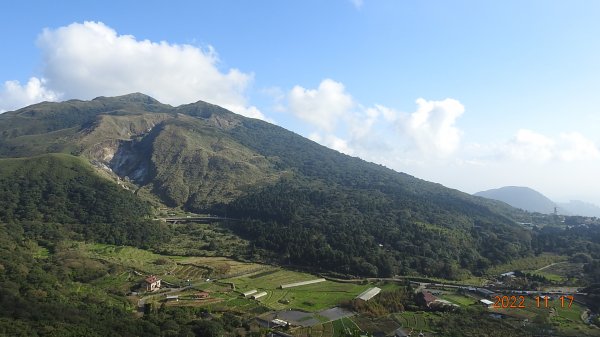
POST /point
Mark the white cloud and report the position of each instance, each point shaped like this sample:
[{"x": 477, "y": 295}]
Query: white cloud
[
  {"x": 432, "y": 127},
  {"x": 528, "y": 145},
  {"x": 332, "y": 142},
  {"x": 575, "y": 146},
  {"x": 85, "y": 60},
  {"x": 13, "y": 95},
  {"x": 321, "y": 107},
  {"x": 357, "y": 3}
]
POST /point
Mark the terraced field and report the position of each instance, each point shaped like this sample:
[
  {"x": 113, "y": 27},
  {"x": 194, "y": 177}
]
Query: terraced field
[
  {"x": 171, "y": 268},
  {"x": 420, "y": 321},
  {"x": 190, "y": 272}
]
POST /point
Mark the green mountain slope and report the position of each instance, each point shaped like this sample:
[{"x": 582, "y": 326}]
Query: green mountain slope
[{"x": 301, "y": 202}]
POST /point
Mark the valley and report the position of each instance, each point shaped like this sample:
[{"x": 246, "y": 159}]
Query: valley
[
  {"x": 224, "y": 286},
  {"x": 125, "y": 216}
]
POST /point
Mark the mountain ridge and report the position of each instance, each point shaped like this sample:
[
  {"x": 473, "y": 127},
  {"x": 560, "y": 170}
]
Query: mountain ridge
[
  {"x": 533, "y": 201},
  {"x": 353, "y": 216}
]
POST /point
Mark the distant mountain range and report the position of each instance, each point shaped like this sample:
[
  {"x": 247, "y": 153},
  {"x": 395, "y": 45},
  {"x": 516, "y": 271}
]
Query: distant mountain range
[{"x": 533, "y": 201}]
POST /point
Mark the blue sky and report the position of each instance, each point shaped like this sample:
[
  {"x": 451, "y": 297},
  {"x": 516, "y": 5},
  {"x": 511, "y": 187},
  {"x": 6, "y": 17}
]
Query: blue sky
[{"x": 471, "y": 94}]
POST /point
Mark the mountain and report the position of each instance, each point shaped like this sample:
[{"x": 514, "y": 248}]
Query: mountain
[
  {"x": 582, "y": 208},
  {"x": 533, "y": 201},
  {"x": 521, "y": 197},
  {"x": 296, "y": 201}
]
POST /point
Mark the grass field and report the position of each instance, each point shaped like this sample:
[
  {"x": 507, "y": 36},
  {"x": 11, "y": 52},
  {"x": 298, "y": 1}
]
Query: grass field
[
  {"x": 562, "y": 272},
  {"x": 528, "y": 264},
  {"x": 458, "y": 299},
  {"x": 312, "y": 297}
]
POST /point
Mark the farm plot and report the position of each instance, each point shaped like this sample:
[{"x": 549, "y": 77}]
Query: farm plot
[
  {"x": 190, "y": 272},
  {"x": 223, "y": 267},
  {"x": 320, "y": 330},
  {"x": 383, "y": 325},
  {"x": 344, "y": 327}
]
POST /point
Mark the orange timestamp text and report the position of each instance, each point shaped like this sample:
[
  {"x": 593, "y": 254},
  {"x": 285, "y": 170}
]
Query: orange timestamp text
[{"x": 518, "y": 302}]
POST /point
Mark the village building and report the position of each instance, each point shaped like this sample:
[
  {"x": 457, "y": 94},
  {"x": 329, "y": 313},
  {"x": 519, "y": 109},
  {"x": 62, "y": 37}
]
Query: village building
[
  {"x": 401, "y": 333},
  {"x": 249, "y": 293},
  {"x": 152, "y": 283},
  {"x": 258, "y": 295},
  {"x": 487, "y": 303},
  {"x": 369, "y": 294},
  {"x": 485, "y": 292},
  {"x": 173, "y": 298},
  {"x": 428, "y": 298}
]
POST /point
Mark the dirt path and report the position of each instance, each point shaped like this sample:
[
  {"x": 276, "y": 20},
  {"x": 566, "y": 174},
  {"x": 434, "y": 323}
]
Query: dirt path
[{"x": 550, "y": 265}]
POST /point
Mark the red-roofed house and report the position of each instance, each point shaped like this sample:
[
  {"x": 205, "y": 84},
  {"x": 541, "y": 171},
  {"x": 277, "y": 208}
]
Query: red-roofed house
[
  {"x": 152, "y": 283},
  {"x": 427, "y": 298},
  {"x": 202, "y": 295}
]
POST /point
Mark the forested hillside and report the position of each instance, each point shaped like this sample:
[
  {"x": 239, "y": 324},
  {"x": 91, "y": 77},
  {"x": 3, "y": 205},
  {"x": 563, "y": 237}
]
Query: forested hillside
[{"x": 66, "y": 191}]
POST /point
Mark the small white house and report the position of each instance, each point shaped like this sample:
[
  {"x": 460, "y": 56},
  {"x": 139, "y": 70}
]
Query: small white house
[{"x": 152, "y": 283}]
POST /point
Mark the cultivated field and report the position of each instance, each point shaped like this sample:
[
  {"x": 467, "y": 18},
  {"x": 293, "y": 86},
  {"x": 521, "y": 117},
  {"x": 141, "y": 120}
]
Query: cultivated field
[
  {"x": 339, "y": 328},
  {"x": 386, "y": 325}
]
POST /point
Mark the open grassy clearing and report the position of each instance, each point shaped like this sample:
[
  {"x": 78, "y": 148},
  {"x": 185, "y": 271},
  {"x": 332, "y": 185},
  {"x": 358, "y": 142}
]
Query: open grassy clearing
[
  {"x": 562, "y": 272},
  {"x": 269, "y": 279},
  {"x": 459, "y": 299},
  {"x": 311, "y": 297},
  {"x": 530, "y": 263}
]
